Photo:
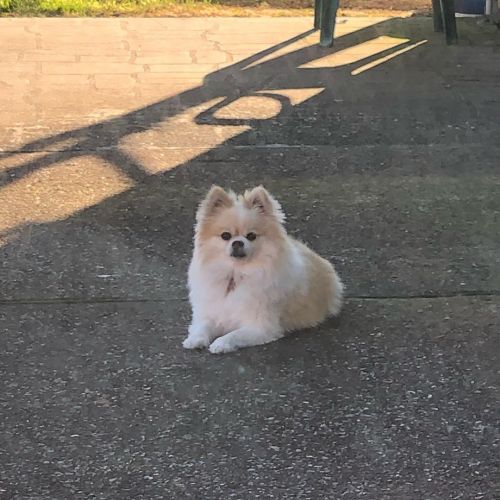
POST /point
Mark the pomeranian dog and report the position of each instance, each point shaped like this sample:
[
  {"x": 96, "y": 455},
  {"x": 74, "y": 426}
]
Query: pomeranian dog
[{"x": 249, "y": 282}]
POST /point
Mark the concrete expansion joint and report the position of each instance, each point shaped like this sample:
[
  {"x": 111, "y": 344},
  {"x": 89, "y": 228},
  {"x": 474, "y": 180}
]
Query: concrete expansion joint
[{"x": 118, "y": 300}]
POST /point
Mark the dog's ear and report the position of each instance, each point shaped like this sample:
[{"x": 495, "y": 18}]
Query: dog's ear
[
  {"x": 216, "y": 199},
  {"x": 260, "y": 199}
]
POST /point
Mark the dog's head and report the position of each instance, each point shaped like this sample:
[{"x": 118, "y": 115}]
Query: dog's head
[{"x": 242, "y": 228}]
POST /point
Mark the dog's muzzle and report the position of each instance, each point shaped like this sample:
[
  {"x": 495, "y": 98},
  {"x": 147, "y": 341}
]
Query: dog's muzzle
[{"x": 238, "y": 249}]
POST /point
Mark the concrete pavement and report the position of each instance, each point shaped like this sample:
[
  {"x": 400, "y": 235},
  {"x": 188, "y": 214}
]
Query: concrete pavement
[{"x": 384, "y": 151}]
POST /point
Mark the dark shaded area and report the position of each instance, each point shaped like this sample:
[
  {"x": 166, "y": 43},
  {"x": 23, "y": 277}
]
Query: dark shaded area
[{"x": 392, "y": 174}]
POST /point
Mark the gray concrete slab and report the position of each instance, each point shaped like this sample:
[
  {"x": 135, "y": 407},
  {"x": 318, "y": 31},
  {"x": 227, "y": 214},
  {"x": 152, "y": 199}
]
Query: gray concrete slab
[
  {"x": 384, "y": 152},
  {"x": 398, "y": 221},
  {"x": 399, "y": 399}
]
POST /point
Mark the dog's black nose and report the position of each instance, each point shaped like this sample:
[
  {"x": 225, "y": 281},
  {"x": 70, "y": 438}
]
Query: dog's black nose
[{"x": 238, "y": 249}]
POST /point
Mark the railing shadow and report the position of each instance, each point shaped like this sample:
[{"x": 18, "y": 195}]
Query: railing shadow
[
  {"x": 240, "y": 79},
  {"x": 153, "y": 219}
]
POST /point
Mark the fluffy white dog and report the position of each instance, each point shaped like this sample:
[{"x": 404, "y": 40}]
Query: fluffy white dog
[{"x": 249, "y": 281}]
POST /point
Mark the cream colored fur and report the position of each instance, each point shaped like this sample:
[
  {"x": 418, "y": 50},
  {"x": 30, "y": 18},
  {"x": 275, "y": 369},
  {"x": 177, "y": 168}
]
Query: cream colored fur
[{"x": 278, "y": 286}]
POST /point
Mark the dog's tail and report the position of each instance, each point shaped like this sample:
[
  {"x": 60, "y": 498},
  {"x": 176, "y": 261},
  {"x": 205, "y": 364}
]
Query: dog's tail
[{"x": 337, "y": 295}]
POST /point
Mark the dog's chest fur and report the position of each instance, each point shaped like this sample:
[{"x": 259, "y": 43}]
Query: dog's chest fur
[{"x": 231, "y": 299}]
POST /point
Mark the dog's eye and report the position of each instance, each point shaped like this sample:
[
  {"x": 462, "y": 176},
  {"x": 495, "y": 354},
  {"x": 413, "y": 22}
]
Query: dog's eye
[
  {"x": 251, "y": 236},
  {"x": 225, "y": 235}
]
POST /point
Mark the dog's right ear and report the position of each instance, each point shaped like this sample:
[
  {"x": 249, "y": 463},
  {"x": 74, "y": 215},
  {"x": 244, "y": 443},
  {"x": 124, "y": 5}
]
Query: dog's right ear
[{"x": 216, "y": 199}]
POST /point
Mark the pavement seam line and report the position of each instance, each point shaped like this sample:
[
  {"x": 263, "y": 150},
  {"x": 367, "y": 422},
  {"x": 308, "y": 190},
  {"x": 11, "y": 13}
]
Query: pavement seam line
[
  {"x": 125, "y": 300},
  {"x": 257, "y": 146}
]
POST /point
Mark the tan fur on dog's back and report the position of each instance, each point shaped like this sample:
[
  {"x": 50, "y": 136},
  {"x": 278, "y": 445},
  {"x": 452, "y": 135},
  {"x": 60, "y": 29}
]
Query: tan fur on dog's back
[{"x": 320, "y": 297}]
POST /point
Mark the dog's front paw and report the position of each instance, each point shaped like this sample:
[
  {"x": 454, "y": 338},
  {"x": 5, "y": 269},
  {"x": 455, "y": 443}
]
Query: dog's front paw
[
  {"x": 222, "y": 345},
  {"x": 195, "y": 342}
]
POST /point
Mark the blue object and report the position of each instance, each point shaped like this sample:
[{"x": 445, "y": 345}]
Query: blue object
[{"x": 470, "y": 6}]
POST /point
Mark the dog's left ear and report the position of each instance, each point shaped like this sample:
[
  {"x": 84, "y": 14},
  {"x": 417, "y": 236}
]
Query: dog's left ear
[{"x": 260, "y": 199}]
